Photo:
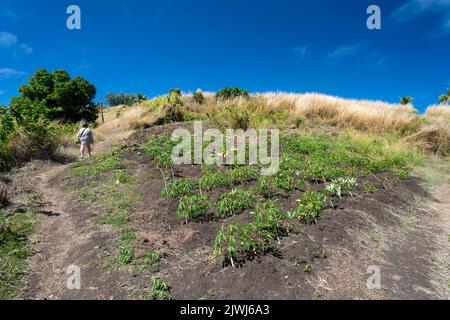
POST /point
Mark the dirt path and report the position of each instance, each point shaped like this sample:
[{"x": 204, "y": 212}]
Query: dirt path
[
  {"x": 61, "y": 240},
  {"x": 417, "y": 264}
]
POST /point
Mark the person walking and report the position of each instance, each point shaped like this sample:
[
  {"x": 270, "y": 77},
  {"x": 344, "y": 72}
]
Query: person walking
[{"x": 86, "y": 138}]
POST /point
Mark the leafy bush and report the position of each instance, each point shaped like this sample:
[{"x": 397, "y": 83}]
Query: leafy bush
[
  {"x": 235, "y": 240},
  {"x": 160, "y": 150},
  {"x": 341, "y": 185},
  {"x": 235, "y": 202},
  {"x": 179, "y": 187},
  {"x": 116, "y": 99},
  {"x": 230, "y": 93},
  {"x": 309, "y": 207},
  {"x": 174, "y": 112},
  {"x": 193, "y": 206},
  {"x": 199, "y": 97}
]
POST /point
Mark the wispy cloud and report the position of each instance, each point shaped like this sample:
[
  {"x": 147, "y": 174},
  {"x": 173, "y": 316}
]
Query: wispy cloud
[
  {"x": 7, "y": 39},
  {"x": 26, "y": 49},
  {"x": 344, "y": 52},
  {"x": 302, "y": 51},
  {"x": 7, "y": 13},
  {"x": 84, "y": 65},
  {"x": 413, "y": 9},
  {"x": 373, "y": 62},
  {"x": 7, "y": 73},
  {"x": 2, "y": 92}
]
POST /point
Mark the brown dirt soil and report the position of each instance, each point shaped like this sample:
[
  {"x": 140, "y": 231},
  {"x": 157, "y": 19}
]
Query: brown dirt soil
[{"x": 401, "y": 228}]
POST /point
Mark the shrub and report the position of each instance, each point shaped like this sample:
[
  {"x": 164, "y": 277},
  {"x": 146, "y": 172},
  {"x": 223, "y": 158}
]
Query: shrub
[
  {"x": 230, "y": 93},
  {"x": 193, "y": 206},
  {"x": 173, "y": 111},
  {"x": 116, "y": 99},
  {"x": 235, "y": 202},
  {"x": 240, "y": 120},
  {"x": 340, "y": 185},
  {"x": 199, "y": 97},
  {"x": 179, "y": 187},
  {"x": 309, "y": 207},
  {"x": 299, "y": 122}
]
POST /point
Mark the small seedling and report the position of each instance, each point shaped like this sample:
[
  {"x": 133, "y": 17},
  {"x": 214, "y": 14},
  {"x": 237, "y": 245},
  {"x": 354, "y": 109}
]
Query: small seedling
[
  {"x": 307, "y": 268},
  {"x": 160, "y": 290}
]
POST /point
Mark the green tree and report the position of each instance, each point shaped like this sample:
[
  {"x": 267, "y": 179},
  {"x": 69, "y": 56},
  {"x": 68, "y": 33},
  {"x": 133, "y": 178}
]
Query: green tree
[
  {"x": 406, "y": 100},
  {"x": 445, "y": 98},
  {"x": 56, "y": 96},
  {"x": 230, "y": 93}
]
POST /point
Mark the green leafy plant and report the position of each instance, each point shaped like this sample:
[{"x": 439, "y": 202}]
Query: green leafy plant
[
  {"x": 193, "y": 206},
  {"x": 309, "y": 207},
  {"x": 341, "y": 185},
  {"x": 235, "y": 202},
  {"x": 198, "y": 97},
  {"x": 406, "y": 100},
  {"x": 179, "y": 187},
  {"x": 160, "y": 290},
  {"x": 160, "y": 150}
]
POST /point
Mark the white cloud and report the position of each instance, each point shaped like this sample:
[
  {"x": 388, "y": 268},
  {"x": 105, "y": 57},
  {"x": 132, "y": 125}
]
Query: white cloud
[
  {"x": 302, "y": 51},
  {"x": 2, "y": 92},
  {"x": 26, "y": 49},
  {"x": 413, "y": 9},
  {"x": 7, "y": 40},
  {"x": 345, "y": 52},
  {"x": 6, "y": 73}
]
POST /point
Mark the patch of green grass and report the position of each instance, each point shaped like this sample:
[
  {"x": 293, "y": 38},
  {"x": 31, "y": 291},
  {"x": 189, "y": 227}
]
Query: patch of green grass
[
  {"x": 124, "y": 178},
  {"x": 235, "y": 202},
  {"x": 160, "y": 290},
  {"x": 14, "y": 250},
  {"x": 98, "y": 165},
  {"x": 193, "y": 206}
]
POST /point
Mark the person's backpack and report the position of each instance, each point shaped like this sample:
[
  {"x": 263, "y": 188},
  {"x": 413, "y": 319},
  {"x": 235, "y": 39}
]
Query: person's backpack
[{"x": 81, "y": 134}]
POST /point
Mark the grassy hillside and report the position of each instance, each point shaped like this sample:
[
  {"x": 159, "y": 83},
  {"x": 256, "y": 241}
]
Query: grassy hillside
[{"x": 351, "y": 175}]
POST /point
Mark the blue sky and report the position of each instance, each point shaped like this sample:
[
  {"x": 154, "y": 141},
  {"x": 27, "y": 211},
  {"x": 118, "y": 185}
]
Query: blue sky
[{"x": 287, "y": 45}]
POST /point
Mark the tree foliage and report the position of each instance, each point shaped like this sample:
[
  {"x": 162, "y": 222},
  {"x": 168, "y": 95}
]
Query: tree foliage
[
  {"x": 230, "y": 93},
  {"x": 55, "y": 96},
  {"x": 116, "y": 99}
]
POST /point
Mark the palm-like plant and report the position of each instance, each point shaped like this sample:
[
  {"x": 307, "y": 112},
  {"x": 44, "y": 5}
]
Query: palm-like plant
[
  {"x": 445, "y": 98},
  {"x": 406, "y": 100}
]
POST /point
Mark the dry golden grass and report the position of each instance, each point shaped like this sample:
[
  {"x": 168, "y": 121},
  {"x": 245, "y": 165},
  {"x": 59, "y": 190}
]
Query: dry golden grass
[
  {"x": 430, "y": 132},
  {"x": 359, "y": 114}
]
